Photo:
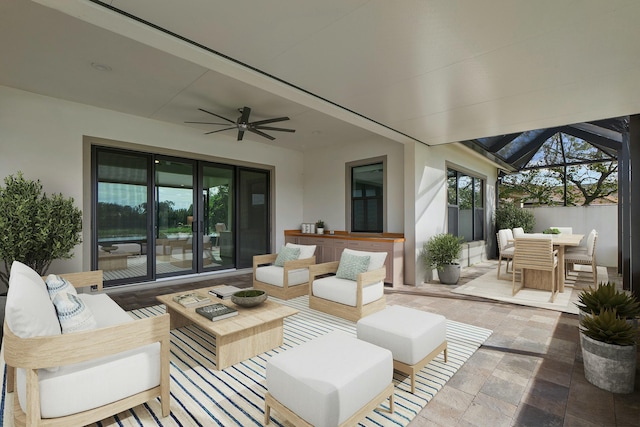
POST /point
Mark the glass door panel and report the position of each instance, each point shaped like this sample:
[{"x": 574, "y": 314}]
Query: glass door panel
[
  {"x": 217, "y": 217},
  {"x": 253, "y": 215},
  {"x": 121, "y": 216},
  {"x": 174, "y": 197}
]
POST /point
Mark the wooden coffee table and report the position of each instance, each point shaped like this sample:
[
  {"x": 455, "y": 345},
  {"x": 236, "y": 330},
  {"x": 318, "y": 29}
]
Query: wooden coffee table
[{"x": 253, "y": 331}]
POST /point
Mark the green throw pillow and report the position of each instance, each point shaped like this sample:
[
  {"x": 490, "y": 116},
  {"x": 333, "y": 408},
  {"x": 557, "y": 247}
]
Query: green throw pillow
[
  {"x": 352, "y": 265},
  {"x": 286, "y": 254}
]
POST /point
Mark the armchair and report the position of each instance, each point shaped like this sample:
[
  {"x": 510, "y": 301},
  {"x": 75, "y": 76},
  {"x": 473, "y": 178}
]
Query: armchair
[
  {"x": 350, "y": 298},
  {"x": 78, "y": 378},
  {"x": 288, "y": 281}
]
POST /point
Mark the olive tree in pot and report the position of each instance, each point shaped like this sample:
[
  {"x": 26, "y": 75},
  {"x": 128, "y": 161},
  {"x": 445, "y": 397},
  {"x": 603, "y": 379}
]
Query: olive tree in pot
[
  {"x": 609, "y": 351},
  {"x": 442, "y": 252},
  {"x": 36, "y": 228}
]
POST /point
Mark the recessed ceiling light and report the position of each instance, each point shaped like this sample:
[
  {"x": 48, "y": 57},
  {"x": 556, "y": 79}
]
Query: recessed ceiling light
[{"x": 101, "y": 67}]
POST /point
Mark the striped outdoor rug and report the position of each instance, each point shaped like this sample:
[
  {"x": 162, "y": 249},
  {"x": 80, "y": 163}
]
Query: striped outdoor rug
[{"x": 203, "y": 396}]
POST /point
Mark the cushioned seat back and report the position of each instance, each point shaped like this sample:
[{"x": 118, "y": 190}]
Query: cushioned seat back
[
  {"x": 376, "y": 259},
  {"x": 306, "y": 251},
  {"x": 29, "y": 311},
  {"x": 591, "y": 242}
]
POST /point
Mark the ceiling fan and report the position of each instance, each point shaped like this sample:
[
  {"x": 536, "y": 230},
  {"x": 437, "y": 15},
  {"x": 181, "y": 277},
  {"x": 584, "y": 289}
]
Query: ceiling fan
[{"x": 244, "y": 125}]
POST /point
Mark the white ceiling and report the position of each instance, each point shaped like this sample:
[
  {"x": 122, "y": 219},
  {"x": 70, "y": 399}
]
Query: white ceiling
[{"x": 435, "y": 71}]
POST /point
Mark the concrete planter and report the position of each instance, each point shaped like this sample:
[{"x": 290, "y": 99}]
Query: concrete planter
[
  {"x": 450, "y": 274},
  {"x": 607, "y": 366}
]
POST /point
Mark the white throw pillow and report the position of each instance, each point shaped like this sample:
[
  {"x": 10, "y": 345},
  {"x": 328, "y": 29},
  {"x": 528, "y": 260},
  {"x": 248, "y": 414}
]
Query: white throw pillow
[
  {"x": 73, "y": 313},
  {"x": 306, "y": 251},
  {"x": 376, "y": 259},
  {"x": 29, "y": 312},
  {"x": 57, "y": 284}
]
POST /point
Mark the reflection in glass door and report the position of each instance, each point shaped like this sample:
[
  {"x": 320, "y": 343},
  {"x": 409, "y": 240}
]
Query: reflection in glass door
[
  {"x": 253, "y": 215},
  {"x": 121, "y": 215},
  {"x": 174, "y": 228},
  {"x": 217, "y": 217}
]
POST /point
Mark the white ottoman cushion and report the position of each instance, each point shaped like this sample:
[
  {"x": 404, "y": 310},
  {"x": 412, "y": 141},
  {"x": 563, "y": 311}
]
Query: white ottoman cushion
[
  {"x": 328, "y": 379},
  {"x": 274, "y": 275},
  {"x": 344, "y": 291},
  {"x": 410, "y": 334}
]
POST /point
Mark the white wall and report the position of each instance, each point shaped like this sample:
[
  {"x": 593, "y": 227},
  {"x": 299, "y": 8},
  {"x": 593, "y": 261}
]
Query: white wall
[
  {"x": 431, "y": 196},
  {"x": 583, "y": 219},
  {"x": 325, "y": 182},
  {"x": 42, "y": 137}
]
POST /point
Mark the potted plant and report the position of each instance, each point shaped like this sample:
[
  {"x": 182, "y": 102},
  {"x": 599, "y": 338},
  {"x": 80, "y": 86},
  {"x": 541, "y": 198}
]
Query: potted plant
[
  {"x": 551, "y": 231},
  {"x": 607, "y": 296},
  {"x": 320, "y": 226},
  {"x": 36, "y": 228},
  {"x": 442, "y": 252},
  {"x": 609, "y": 351}
]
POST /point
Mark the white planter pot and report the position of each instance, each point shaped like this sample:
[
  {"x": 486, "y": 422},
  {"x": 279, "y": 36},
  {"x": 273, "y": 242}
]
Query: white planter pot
[
  {"x": 607, "y": 366},
  {"x": 320, "y": 230}
]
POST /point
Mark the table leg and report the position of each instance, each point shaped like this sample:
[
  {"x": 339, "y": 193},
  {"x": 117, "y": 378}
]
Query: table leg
[{"x": 561, "y": 268}]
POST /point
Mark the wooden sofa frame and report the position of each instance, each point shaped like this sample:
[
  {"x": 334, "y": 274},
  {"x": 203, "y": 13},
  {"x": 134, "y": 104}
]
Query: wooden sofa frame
[
  {"x": 342, "y": 310},
  {"x": 285, "y": 292},
  {"x": 35, "y": 353}
]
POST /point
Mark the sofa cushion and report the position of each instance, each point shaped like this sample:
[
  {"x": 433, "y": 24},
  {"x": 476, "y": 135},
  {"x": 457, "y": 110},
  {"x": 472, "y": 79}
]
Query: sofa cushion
[
  {"x": 376, "y": 259},
  {"x": 306, "y": 251},
  {"x": 88, "y": 385},
  {"x": 286, "y": 254},
  {"x": 73, "y": 314},
  {"x": 57, "y": 284},
  {"x": 344, "y": 291},
  {"x": 274, "y": 275},
  {"x": 29, "y": 312},
  {"x": 352, "y": 265}
]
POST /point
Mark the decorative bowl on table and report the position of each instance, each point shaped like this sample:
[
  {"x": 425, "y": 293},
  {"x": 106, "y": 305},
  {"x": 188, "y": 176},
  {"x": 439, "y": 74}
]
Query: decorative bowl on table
[{"x": 249, "y": 297}]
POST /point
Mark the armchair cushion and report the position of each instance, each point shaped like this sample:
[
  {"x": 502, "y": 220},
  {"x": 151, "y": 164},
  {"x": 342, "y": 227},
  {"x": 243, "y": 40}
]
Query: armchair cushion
[
  {"x": 306, "y": 251},
  {"x": 274, "y": 275},
  {"x": 344, "y": 291},
  {"x": 376, "y": 259},
  {"x": 286, "y": 254},
  {"x": 56, "y": 284},
  {"x": 352, "y": 265}
]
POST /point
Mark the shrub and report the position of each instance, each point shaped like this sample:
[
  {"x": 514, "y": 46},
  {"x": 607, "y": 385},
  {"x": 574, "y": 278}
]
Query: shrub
[
  {"x": 36, "y": 228},
  {"x": 510, "y": 216}
]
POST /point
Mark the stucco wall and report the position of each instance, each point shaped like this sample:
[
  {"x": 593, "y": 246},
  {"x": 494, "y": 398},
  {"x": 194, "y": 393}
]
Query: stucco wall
[
  {"x": 43, "y": 137},
  {"x": 325, "y": 182},
  {"x": 583, "y": 219},
  {"x": 431, "y": 195}
]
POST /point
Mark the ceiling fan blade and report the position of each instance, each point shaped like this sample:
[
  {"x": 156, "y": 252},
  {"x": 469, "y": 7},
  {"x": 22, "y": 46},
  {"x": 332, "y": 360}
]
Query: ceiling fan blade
[
  {"x": 260, "y": 133},
  {"x": 240, "y": 135},
  {"x": 214, "y": 114},
  {"x": 219, "y": 130},
  {"x": 210, "y": 123},
  {"x": 272, "y": 128},
  {"x": 264, "y": 122}
]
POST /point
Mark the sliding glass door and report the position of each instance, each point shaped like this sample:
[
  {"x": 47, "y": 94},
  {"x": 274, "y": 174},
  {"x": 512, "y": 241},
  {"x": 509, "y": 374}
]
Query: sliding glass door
[{"x": 159, "y": 216}]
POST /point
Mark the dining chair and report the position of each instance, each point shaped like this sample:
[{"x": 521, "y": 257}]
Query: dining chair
[
  {"x": 505, "y": 248},
  {"x": 585, "y": 257},
  {"x": 536, "y": 255},
  {"x": 518, "y": 232}
]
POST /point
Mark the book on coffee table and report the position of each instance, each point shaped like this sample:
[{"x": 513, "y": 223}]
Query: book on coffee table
[
  {"x": 224, "y": 291},
  {"x": 192, "y": 299},
  {"x": 216, "y": 311}
]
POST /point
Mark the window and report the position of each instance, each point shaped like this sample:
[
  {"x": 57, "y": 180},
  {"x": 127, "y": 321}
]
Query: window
[
  {"x": 465, "y": 198},
  {"x": 367, "y": 197}
]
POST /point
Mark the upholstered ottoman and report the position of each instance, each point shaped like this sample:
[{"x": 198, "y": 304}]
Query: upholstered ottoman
[
  {"x": 333, "y": 380},
  {"x": 414, "y": 337}
]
